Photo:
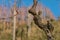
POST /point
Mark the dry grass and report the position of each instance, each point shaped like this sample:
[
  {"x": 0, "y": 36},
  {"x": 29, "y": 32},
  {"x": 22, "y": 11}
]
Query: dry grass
[{"x": 36, "y": 33}]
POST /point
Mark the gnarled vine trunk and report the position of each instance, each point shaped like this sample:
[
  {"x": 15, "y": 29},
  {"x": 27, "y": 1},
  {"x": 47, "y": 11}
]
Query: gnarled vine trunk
[{"x": 37, "y": 21}]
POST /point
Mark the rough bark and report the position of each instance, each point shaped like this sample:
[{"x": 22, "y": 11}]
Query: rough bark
[{"x": 37, "y": 21}]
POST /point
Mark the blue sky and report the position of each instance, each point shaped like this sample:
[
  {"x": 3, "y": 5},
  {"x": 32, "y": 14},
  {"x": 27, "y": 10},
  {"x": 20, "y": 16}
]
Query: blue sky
[{"x": 53, "y": 5}]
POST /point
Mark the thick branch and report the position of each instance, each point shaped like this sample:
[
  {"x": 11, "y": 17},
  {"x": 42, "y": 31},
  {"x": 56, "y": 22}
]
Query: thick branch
[{"x": 33, "y": 9}]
